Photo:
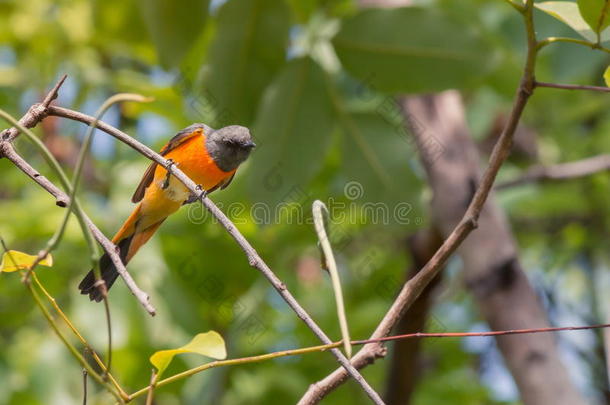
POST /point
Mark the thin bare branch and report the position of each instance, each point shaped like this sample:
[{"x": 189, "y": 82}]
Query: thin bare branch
[
  {"x": 312, "y": 349},
  {"x": 572, "y": 87},
  {"x": 80, "y": 163},
  {"x": 54, "y": 165},
  {"x": 151, "y": 387},
  {"x": 253, "y": 257},
  {"x": 467, "y": 224},
  {"x": 7, "y": 151},
  {"x": 35, "y": 114},
  {"x": 80, "y": 337},
  {"x": 84, "y": 386},
  {"x": 70, "y": 347},
  {"x": 61, "y": 336},
  {"x": 553, "y": 40},
  {"x": 562, "y": 171}
]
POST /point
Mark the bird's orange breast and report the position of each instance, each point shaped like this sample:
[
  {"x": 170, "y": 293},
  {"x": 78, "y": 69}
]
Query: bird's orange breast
[{"x": 193, "y": 159}]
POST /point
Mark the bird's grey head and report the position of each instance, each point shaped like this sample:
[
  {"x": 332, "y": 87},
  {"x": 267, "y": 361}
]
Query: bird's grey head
[{"x": 229, "y": 146}]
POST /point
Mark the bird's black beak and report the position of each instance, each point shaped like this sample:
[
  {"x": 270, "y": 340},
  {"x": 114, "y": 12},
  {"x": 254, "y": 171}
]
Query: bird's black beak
[{"x": 250, "y": 145}]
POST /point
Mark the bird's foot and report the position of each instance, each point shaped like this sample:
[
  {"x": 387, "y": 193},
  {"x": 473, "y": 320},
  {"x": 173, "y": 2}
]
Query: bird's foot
[
  {"x": 165, "y": 184},
  {"x": 201, "y": 192},
  {"x": 194, "y": 197}
]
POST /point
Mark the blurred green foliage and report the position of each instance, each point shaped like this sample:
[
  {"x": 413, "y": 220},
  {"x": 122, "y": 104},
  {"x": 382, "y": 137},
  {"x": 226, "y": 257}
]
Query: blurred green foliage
[{"x": 314, "y": 80}]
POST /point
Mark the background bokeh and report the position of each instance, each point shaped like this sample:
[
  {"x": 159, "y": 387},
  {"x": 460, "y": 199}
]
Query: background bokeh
[{"x": 309, "y": 79}]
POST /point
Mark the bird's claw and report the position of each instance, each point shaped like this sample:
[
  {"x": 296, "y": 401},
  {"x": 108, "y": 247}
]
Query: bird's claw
[
  {"x": 165, "y": 184},
  {"x": 202, "y": 193},
  {"x": 194, "y": 197}
]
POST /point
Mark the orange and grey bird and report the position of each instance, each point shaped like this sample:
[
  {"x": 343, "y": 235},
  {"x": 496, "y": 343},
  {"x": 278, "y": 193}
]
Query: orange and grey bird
[{"x": 209, "y": 157}]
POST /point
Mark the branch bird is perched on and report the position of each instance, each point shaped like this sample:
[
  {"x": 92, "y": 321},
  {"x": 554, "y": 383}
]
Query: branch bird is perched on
[{"x": 209, "y": 157}]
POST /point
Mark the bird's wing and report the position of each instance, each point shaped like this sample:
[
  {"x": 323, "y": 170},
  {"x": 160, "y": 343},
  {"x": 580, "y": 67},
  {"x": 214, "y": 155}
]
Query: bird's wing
[{"x": 178, "y": 139}]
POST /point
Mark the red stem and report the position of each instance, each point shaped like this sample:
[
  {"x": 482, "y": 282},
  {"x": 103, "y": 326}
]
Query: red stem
[{"x": 469, "y": 334}]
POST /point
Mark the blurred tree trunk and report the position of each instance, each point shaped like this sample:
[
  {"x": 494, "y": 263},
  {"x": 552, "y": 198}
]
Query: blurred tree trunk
[
  {"x": 491, "y": 265},
  {"x": 405, "y": 364},
  {"x": 492, "y": 269}
]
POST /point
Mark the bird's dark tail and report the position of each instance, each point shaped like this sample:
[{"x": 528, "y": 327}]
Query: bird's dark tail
[{"x": 108, "y": 272}]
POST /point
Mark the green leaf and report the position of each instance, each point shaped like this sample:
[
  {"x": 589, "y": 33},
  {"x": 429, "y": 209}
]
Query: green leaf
[
  {"x": 120, "y": 23},
  {"x": 412, "y": 50},
  {"x": 305, "y": 9},
  {"x": 607, "y": 76},
  {"x": 209, "y": 344},
  {"x": 247, "y": 51},
  {"x": 174, "y": 27},
  {"x": 595, "y": 13},
  {"x": 293, "y": 128},
  {"x": 568, "y": 13},
  {"x": 13, "y": 260},
  {"x": 376, "y": 153}
]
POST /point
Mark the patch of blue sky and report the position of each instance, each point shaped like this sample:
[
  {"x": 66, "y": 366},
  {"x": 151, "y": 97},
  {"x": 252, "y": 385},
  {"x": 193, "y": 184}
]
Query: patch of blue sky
[
  {"x": 295, "y": 48},
  {"x": 494, "y": 373},
  {"x": 103, "y": 145},
  {"x": 162, "y": 78},
  {"x": 215, "y": 5},
  {"x": 7, "y": 56},
  {"x": 152, "y": 127},
  {"x": 68, "y": 92},
  {"x": 28, "y": 97}
]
